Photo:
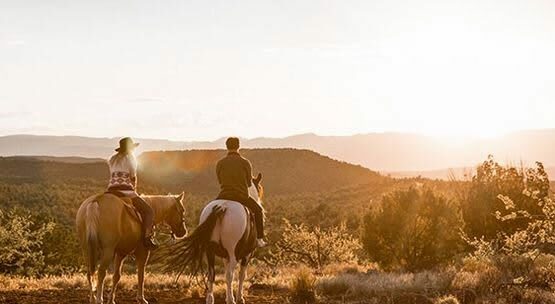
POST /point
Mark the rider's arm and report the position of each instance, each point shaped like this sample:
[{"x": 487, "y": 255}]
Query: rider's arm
[
  {"x": 249, "y": 173},
  {"x": 218, "y": 170}
]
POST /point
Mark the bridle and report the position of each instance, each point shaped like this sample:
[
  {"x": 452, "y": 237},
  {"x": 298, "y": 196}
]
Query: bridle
[{"x": 165, "y": 227}]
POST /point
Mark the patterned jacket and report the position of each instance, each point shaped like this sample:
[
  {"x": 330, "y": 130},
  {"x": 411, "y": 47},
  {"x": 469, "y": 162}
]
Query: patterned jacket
[{"x": 123, "y": 172}]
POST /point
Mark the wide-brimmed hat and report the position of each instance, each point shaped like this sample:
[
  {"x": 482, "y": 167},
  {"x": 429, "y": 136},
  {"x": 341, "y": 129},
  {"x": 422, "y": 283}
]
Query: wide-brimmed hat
[{"x": 126, "y": 143}]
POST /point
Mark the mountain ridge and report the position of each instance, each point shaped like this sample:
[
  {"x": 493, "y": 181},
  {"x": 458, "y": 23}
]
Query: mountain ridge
[
  {"x": 384, "y": 152},
  {"x": 286, "y": 171}
]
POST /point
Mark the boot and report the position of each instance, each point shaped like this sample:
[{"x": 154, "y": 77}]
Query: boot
[
  {"x": 260, "y": 243},
  {"x": 149, "y": 241}
]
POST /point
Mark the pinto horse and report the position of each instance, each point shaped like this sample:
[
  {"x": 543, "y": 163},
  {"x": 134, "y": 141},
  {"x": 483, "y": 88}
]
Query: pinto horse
[
  {"x": 109, "y": 230},
  {"x": 226, "y": 230}
]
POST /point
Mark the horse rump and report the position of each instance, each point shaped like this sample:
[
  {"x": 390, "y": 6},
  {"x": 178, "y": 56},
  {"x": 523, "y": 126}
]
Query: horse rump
[{"x": 187, "y": 254}]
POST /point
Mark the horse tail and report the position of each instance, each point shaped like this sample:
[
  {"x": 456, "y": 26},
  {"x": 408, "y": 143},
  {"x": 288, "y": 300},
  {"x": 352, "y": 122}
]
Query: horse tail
[
  {"x": 91, "y": 234},
  {"x": 190, "y": 251}
]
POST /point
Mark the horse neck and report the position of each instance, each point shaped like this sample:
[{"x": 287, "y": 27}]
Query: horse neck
[
  {"x": 160, "y": 206},
  {"x": 253, "y": 193}
]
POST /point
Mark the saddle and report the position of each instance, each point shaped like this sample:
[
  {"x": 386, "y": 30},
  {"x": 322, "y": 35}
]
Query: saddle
[{"x": 128, "y": 203}]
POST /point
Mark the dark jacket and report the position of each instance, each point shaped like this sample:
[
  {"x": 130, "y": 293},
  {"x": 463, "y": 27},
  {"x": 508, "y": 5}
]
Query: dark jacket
[{"x": 235, "y": 177}]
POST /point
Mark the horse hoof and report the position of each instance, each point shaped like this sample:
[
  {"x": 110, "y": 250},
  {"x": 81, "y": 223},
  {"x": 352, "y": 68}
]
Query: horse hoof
[
  {"x": 241, "y": 300},
  {"x": 142, "y": 301}
]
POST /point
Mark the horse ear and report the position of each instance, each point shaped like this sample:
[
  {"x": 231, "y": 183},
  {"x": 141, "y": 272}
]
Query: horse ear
[
  {"x": 258, "y": 178},
  {"x": 180, "y": 197}
]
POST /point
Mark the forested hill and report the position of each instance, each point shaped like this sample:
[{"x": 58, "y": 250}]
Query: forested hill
[
  {"x": 31, "y": 170},
  {"x": 285, "y": 171}
]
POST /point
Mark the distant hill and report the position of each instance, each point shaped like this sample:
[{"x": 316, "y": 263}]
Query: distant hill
[
  {"x": 28, "y": 169},
  {"x": 62, "y": 159},
  {"x": 391, "y": 152},
  {"x": 286, "y": 171},
  {"x": 65, "y": 146}
]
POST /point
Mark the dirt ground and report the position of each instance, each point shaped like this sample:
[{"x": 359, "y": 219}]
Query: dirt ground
[{"x": 124, "y": 297}]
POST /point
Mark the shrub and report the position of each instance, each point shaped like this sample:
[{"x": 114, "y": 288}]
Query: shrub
[
  {"x": 303, "y": 287},
  {"x": 543, "y": 271},
  {"x": 314, "y": 247},
  {"x": 413, "y": 230},
  {"x": 21, "y": 244},
  {"x": 529, "y": 231},
  {"x": 479, "y": 201},
  {"x": 479, "y": 274}
]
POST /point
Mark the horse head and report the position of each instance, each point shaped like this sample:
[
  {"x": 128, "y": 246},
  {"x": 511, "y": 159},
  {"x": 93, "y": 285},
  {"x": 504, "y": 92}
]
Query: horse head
[
  {"x": 176, "y": 217},
  {"x": 256, "y": 191}
]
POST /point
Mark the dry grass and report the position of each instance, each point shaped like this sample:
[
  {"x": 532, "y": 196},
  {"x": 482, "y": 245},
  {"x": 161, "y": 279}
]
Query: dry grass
[
  {"x": 79, "y": 281},
  {"x": 447, "y": 300},
  {"x": 486, "y": 281},
  {"x": 379, "y": 283},
  {"x": 481, "y": 275},
  {"x": 153, "y": 282},
  {"x": 303, "y": 286}
]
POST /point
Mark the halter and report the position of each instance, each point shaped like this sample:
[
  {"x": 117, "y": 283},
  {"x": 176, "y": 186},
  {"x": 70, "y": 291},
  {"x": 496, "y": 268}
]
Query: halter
[{"x": 165, "y": 227}]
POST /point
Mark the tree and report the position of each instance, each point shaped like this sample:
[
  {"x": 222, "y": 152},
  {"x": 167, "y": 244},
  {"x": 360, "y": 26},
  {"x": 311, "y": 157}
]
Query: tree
[
  {"x": 537, "y": 236},
  {"x": 315, "y": 247},
  {"x": 412, "y": 229},
  {"x": 479, "y": 201},
  {"x": 21, "y": 244}
]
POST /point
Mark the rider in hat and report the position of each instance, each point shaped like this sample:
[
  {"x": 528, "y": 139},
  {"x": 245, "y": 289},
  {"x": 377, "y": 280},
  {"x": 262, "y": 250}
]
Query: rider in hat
[
  {"x": 235, "y": 177},
  {"x": 123, "y": 180}
]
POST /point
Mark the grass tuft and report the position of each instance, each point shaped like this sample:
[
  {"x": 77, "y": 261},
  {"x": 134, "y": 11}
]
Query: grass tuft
[{"x": 303, "y": 287}]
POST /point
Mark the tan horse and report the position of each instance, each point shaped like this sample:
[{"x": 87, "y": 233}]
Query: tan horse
[{"x": 108, "y": 231}]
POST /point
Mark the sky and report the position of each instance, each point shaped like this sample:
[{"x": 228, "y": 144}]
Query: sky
[{"x": 200, "y": 70}]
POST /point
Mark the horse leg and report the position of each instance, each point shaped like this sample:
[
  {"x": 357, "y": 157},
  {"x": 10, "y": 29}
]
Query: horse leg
[
  {"x": 91, "y": 271},
  {"x": 210, "y": 257},
  {"x": 242, "y": 275},
  {"x": 142, "y": 255},
  {"x": 118, "y": 263},
  {"x": 107, "y": 257},
  {"x": 230, "y": 264},
  {"x": 92, "y": 287}
]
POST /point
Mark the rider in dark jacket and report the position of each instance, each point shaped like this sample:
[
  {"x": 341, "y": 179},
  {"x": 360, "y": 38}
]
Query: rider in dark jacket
[{"x": 235, "y": 177}]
